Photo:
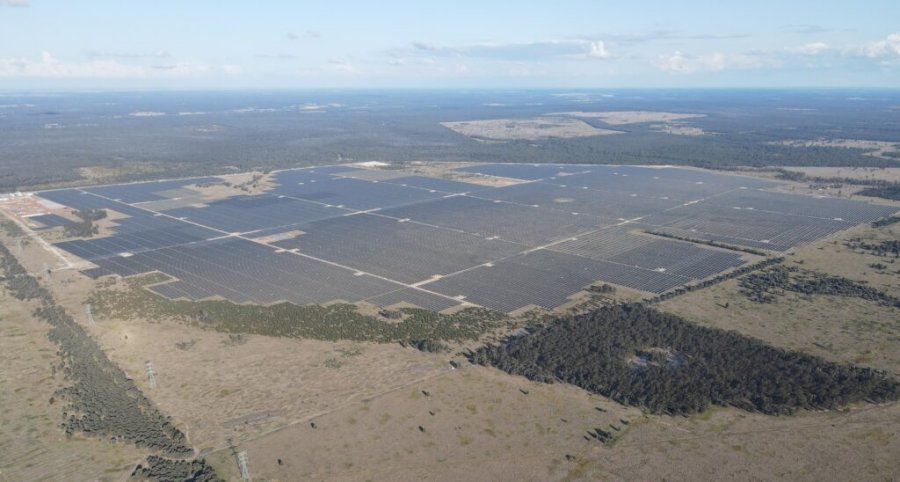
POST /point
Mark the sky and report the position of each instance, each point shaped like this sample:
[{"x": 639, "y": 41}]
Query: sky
[{"x": 197, "y": 44}]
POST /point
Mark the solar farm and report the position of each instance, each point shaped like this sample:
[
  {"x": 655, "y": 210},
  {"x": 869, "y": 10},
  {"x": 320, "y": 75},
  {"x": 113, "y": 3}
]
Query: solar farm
[{"x": 352, "y": 234}]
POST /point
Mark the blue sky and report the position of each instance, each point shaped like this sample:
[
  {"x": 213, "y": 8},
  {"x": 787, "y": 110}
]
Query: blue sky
[{"x": 116, "y": 44}]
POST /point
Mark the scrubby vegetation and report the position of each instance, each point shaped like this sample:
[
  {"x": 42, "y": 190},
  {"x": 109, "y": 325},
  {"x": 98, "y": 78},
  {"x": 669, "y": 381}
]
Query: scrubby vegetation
[
  {"x": 766, "y": 286},
  {"x": 890, "y": 191},
  {"x": 332, "y": 322},
  {"x": 158, "y": 469},
  {"x": 890, "y": 247},
  {"x": 748, "y": 268},
  {"x": 708, "y": 243},
  {"x": 86, "y": 227},
  {"x": 12, "y": 229},
  {"x": 599, "y": 351},
  {"x": 888, "y": 221}
]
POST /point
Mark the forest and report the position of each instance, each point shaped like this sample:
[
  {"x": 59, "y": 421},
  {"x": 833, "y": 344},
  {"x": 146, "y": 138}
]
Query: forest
[{"x": 639, "y": 356}]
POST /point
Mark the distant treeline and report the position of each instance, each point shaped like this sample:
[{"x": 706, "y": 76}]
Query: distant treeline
[{"x": 640, "y": 356}]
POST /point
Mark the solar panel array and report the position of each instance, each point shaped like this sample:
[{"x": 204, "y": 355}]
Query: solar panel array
[
  {"x": 344, "y": 233},
  {"x": 50, "y": 220}
]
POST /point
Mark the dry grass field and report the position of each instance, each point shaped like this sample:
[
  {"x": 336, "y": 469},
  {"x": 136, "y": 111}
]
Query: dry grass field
[{"x": 480, "y": 424}]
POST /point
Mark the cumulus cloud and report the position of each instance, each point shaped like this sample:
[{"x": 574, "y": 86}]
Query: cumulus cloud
[
  {"x": 597, "y": 50},
  {"x": 810, "y": 55},
  {"x": 888, "y": 48}
]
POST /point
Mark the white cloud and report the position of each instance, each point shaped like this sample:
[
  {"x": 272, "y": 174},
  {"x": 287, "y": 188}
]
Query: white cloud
[
  {"x": 682, "y": 63},
  {"x": 889, "y": 48},
  {"x": 597, "y": 50},
  {"x": 48, "y": 66},
  {"x": 814, "y": 48},
  {"x": 14, "y": 3}
]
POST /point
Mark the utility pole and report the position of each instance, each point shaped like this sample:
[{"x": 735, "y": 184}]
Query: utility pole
[
  {"x": 242, "y": 465},
  {"x": 151, "y": 378},
  {"x": 89, "y": 313}
]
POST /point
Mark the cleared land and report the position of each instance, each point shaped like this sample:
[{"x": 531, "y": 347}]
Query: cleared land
[
  {"x": 631, "y": 116},
  {"x": 880, "y": 149},
  {"x": 889, "y": 174},
  {"x": 527, "y": 129}
]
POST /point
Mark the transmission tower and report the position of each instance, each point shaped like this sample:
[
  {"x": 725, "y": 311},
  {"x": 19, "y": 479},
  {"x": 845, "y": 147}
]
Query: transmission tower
[
  {"x": 89, "y": 313},
  {"x": 242, "y": 465},
  {"x": 151, "y": 379}
]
